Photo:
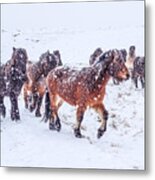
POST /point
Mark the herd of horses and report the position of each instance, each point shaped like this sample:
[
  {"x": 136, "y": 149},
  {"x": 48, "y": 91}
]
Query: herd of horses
[{"x": 58, "y": 83}]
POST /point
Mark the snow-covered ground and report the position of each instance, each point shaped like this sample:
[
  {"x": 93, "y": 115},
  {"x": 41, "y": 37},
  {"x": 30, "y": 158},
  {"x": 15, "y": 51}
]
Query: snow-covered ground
[{"x": 29, "y": 142}]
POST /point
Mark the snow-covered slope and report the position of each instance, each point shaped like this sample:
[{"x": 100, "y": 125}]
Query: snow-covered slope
[{"x": 30, "y": 143}]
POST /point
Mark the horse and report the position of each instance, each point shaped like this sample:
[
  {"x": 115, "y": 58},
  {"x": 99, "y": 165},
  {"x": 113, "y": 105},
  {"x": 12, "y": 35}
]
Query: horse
[
  {"x": 96, "y": 54},
  {"x": 130, "y": 59},
  {"x": 83, "y": 88},
  {"x": 34, "y": 87},
  {"x": 12, "y": 78},
  {"x": 139, "y": 71}
]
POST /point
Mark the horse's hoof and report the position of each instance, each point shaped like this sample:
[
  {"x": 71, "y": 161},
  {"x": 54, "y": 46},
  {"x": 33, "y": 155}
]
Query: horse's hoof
[
  {"x": 12, "y": 117},
  {"x": 38, "y": 114},
  {"x": 100, "y": 133},
  {"x": 51, "y": 126},
  {"x": 17, "y": 117},
  {"x": 58, "y": 126},
  {"x": 77, "y": 133},
  {"x": 31, "y": 108}
]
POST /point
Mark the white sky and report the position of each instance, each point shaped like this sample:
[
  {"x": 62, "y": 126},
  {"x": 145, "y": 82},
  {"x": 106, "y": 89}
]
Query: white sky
[{"x": 73, "y": 15}]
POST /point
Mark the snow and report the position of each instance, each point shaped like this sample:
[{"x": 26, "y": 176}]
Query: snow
[{"x": 29, "y": 143}]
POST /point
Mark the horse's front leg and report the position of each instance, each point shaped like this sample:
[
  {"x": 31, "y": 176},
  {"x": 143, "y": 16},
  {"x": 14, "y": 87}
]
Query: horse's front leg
[
  {"x": 135, "y": 79},
  {"x": 79, "y": 117},
  {"x": 41, "y": 91},
  {"x": 2, "y": 107},
  {"x": 25, "y": 96},
  {"x": 39, "y": 102},
  {"x": 103, "y": 114},
  {"x": 14, "y": 107},
  {"x": 34, "y": 100}
]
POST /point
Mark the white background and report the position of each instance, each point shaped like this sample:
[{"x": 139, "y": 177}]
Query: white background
[{"x": 17, "y": 173}]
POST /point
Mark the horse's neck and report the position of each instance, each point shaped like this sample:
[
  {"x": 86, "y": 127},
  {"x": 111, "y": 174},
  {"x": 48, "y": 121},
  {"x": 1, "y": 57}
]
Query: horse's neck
[
  {"x": 131, "y": 57},
  {"x": 102, "y": 77},
  {"x": 39, "y": 68}
]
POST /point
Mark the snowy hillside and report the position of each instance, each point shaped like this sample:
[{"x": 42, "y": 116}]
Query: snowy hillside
[{"x": 29, "y": 142}]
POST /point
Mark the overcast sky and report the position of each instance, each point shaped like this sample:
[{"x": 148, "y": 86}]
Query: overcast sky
[{"x": 72, "y": 15}]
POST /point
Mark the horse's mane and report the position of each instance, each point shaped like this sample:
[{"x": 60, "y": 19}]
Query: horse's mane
[
  {"x": 43, "y": 56},
  {"x": 104, "y": 58}
]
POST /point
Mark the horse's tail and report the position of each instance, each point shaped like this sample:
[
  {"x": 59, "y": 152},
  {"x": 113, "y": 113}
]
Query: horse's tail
[{"x": 47, "y": 107}]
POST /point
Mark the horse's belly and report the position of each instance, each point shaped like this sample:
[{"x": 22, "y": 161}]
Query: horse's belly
[{"x": 67, "y": 96}]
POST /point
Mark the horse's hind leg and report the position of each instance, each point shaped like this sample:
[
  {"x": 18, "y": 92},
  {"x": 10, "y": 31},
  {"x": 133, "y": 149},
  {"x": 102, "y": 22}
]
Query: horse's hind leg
[
  {"x": 54, "y": 123},
  {"x": 2, "y": 107},
  {"x": 103, "y": 114},
  {"x": 14, "y": 107},
  {"x": 142, "y": 81},
  {"x": 79, "y": 117}
]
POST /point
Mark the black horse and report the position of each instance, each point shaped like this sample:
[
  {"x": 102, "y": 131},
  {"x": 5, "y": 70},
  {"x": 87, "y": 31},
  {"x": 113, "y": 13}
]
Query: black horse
[
  {"x": 12, "y": 78},
  {"x": 139, "y": 71}
]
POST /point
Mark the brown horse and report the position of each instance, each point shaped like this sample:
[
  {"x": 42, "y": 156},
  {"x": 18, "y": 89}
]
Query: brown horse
[
  {"x": 97, "y": 53},
  {"x": 34, "y": 88},
  {"x": 83, "y": 88}
]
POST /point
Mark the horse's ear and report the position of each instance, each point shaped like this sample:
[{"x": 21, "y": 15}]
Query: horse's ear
[{"x": 14, "y": 48}]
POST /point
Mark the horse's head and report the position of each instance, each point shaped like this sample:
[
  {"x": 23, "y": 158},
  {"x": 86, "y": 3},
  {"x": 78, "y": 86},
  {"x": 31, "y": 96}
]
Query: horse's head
[
  {"x": 97, "y": 52},
  {"x": 18, "y": 63},
  {"x": 117, "y": 67},
  {"x": 132, "y": 50},
  {"x": 19, "y": 57},
  {"x": 113, "y": 63},
  {"x": 58, "y": 57},
  {"x": 47, "y": 62},
  {"x": 124, "y": 54}
]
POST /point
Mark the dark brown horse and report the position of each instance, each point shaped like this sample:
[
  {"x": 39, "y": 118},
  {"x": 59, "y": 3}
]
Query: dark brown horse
[
  {"x": 139, "y": 71},
  {"x": 34, "y": 87},
  {"x": 83, "y": 88},
  {"x": 12, "y": 78}
]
